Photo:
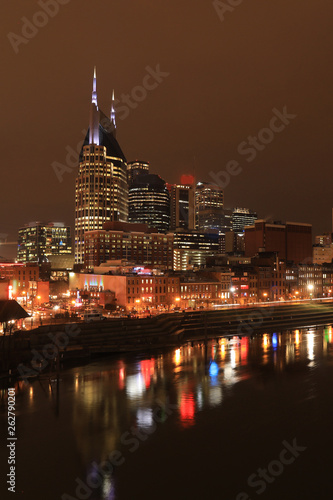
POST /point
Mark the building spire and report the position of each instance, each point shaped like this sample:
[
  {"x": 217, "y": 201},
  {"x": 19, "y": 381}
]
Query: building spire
[
  {"x": 94, "y": 114},
  {"x": 113, "y": 112},
  {"x": 94, "y": 91}
]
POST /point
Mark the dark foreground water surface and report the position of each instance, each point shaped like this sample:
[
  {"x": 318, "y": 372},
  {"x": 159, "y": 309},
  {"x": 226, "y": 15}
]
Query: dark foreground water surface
[{"x": 244, "y": 419}]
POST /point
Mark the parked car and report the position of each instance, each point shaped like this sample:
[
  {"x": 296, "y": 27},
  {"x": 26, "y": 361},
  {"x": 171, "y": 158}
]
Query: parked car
[{"x": 93, "y": 316}]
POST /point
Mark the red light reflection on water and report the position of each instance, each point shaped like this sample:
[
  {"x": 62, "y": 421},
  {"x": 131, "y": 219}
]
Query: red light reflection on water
[
  {"x": 244, "y": 349},
  {"x": 147, "y": 370},
  {"x": 187, "y": 409}
]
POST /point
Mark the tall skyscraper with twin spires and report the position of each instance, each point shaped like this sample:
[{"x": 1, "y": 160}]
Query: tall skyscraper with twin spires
[{"x": 101, "y": 189}]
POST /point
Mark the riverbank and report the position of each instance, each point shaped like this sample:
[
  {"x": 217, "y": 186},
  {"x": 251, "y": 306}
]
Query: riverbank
[{"x": 84, "y": 341}]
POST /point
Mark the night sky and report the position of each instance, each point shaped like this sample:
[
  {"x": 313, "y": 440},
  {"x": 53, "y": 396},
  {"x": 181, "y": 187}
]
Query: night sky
[{"x": 224, "y": 79}]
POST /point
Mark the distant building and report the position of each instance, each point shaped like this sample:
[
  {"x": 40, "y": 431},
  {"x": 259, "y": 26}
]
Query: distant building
[
  {"x": 322, "y": 254},
  {"x": 38, "y": 240},
  {"x": 181, "y": 206},
  {"x": 323, "y": 239},
  {"x": 234, "y": 242},
  {"x": 101, "y": 189},
  {"x": 193, "y": 248},
  {"x": 131, "y": 242},
  {"x": 135, "y": 168},
  {"x": 209, "y": 203},
  {"x": 149, "y": 202},
  {"x": 242, "y": 217},
  {"x": 292, "y": 241}
]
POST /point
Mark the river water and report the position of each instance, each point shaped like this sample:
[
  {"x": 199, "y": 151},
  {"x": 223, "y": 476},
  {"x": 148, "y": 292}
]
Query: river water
[{"x": 240, "y": 419}]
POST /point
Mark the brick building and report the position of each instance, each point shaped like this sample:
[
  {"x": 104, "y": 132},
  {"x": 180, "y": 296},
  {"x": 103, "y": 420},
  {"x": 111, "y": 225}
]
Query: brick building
[
  {"x": 291, "y": 241},
  {"x": 125, "y": 241}
]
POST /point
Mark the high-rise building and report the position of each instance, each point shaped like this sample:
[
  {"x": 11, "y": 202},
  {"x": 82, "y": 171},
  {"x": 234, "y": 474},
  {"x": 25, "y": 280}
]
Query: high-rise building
[
  {"x": 181, "y": 206},
  {"x": 242, "y": 217},
  {"x": 101, "y": 192},
  {"x": 292, "y": 241},
  {"x": 38, "y": 240},
  {"x": 209, "y": 202},
  {"x": 135, "y": 168},
  {"x": 149, "y": 202}
]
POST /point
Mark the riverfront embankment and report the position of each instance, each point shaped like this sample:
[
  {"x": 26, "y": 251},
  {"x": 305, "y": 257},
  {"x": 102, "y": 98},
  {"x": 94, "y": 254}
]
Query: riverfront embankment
[{"x": 82, "y": 341}]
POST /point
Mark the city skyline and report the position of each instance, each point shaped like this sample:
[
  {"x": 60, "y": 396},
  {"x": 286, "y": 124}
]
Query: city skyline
[{"x": 199, "y": 94}]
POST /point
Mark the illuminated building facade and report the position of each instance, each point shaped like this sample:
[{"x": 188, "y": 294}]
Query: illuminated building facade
[
  {"x": 131, "y": 242},
  {"x": 135, "y": 168},
  {"x": 242, "y": 217},
  {"x": 209, "y": 203},
  {"x": 200, "y": 291},
  {"x": 192, "y": 248},
  {"x": 149, "y": 202},
  {"x": 101, "y": 190},
  {"x": 133, "y": 291},
  {"x": 38, "y": 240}
]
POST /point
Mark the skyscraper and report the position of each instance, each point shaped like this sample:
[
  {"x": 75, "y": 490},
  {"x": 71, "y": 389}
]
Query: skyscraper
[
  {"x": 182, "y": 205},
  {"x": 209, "y": 202},
  {"x": 135, "y": 168},
  {"x": 101, "y": 191},
  {"x": 149, "y": 202}
]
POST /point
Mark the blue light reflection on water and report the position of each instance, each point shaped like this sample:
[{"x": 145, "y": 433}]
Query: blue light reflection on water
[{"x": 107, "y": 398}]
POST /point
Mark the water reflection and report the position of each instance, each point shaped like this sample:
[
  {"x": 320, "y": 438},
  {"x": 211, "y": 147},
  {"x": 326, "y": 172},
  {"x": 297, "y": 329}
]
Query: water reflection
[
  {"x": 310, "y": 345},
  {"x": 111, "y": 397},
  {"x": 187, "y": 409}
]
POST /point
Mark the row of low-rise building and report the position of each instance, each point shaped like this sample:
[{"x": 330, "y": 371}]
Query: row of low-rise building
[
  {"x": 224, "y": 280},
  {"x": 264, "y": 279}
]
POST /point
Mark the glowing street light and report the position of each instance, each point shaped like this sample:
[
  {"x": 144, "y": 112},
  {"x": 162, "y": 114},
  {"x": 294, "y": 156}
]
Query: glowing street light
[
  {"x": 310, "y": 288},
  {"x": 232, "y": 291}
]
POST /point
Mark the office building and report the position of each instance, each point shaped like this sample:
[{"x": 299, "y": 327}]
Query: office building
[
  {"x": 242, "y": 217},
  {"x": 135, "y": 168},
  {"x": 130, "y": 242},
  {"x": 149, "y": 202},
  {"x": 291, "y": 241},
  {"x": 39, "y": 240},
  {"x": 181, "y": 206},
  {"x": 193, "y": 248},
  {"x": 209, "y": 202},
  {"x": 101, "y": 191}
]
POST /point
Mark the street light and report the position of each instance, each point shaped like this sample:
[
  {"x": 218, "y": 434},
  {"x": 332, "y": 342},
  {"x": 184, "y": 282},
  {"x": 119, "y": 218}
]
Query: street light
[
  {"x": 232, "y": 291},
  {"x": 310, "y": 288}
]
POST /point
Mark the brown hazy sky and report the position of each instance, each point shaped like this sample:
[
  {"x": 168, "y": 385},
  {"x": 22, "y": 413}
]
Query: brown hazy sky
[{"x": 224, "y": 80}]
